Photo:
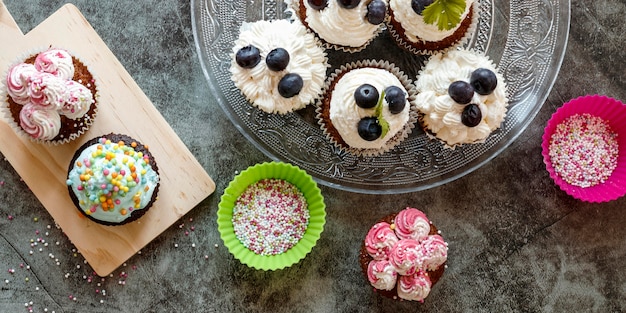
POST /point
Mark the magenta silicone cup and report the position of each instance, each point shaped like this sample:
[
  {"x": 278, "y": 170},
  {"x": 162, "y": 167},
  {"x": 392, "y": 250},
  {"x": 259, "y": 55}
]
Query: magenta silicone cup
[{"x": 614, "y": 112}]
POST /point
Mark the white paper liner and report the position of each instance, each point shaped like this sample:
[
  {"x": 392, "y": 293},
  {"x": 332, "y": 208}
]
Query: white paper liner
[
  {"x": 407, "y": 83},
  {"x": 5, "y": 111},
  {"x": 406, "y": 44},
  {"x": 293, "y": 9}
]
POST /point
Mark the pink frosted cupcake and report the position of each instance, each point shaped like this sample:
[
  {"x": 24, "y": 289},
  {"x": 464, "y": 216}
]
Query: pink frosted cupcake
[
  {"x": 50, "y": 97},
  {"x": 584, "y": 148},
  {"x": 403, "y": 255}
]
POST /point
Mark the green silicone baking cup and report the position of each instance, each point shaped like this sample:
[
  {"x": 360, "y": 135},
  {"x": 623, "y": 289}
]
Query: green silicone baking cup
[{"x": 276, "y": 170}]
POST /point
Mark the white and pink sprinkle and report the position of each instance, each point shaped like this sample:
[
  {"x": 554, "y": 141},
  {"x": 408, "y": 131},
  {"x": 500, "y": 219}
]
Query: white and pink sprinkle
[
  {"x": 270, "y": 216},
  {"x": 584, "y": 150}
]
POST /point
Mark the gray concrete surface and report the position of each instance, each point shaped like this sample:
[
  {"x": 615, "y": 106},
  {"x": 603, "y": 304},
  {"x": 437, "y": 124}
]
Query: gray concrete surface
[{"x": 517, "y": 243}]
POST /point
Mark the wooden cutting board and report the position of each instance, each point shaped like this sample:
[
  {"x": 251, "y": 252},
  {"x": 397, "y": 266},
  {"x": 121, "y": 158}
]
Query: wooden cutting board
[{"x": 123, "y": 108}]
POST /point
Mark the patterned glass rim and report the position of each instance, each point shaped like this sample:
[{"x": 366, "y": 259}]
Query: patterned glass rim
[{"x": 529, "y": 54}]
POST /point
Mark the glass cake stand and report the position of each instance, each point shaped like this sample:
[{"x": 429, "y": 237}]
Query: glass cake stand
[{"x": 525, "y": 38}]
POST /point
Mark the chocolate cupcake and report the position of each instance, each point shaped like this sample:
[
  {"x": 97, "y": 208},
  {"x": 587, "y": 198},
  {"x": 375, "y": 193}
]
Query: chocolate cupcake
[
  {"x": 428, "y": 27},
  {"x": 403, "y": 255},
  {"x": 368, "y": 107},
  {"x": 113, "y": 179},
  {"x": 51, "y": 97},
  {"x": 342, "y": 25}
]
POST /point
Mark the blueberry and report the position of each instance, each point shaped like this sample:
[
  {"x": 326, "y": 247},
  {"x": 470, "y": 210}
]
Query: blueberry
[
  {"x": 248, "y": 57},
  {"x": 369, "y": 129},
  {"x": 318, "y": 4},
  {"x": 484, "y": 81},
  {"x": 349, "y": 4},
  {"x": 366, "y": 96},
  {"x": 471, "y": 115},
  {"x": 290, "y": 85},
  {"x": 396, "y": 98},
  {"x": 461, "y": 92},
  {"x": 419, "y": 5},
  {"x": 376, "y": 12},
  {"x": 277, "y": 59}
]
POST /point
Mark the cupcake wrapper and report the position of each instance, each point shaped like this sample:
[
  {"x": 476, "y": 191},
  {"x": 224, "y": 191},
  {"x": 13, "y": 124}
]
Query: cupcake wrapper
[
  {"x": 395, "y": 140},
  {"x": 407, "y": 45},
  {"x": 614, "y": 112},
  {"x": 5, "y": 112},
  {"x": 240, "y": 183},
  {"x": 293, "y": 9}
]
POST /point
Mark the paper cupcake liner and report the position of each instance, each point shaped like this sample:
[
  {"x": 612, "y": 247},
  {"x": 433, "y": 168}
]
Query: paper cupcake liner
[
  {"x": 5, "y": 111},
  {"x": 407, "y": 83},
  {"x": 293, "y": 10},
  {"x": 406, "y": 44},
  {"x": 240, "y": 183},
  {"x": 614, "y": 113}
]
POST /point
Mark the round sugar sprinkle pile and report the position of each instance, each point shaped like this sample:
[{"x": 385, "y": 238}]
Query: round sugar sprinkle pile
[
  {"x": 583, "y": 150},
  {"x": 270, "y": 216}
]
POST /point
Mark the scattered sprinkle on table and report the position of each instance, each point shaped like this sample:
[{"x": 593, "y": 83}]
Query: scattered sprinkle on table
[
  {"x": 270, "y": 216},
  {"x": 584, "y": 150}
]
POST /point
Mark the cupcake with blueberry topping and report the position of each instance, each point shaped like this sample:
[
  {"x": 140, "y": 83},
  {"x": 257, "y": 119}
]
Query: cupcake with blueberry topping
[
  {"x": 278, "y": 66},
  {"x": 113, "y": 179},
  {"x": 51, "y": 97},
  {"x": 368, "y": 107},
  {"x": 430, "y": 26},
  {"x": 462, "y": 97},
  {"x": 346, "y": 25},
  {"x": 398, "y": 266}
]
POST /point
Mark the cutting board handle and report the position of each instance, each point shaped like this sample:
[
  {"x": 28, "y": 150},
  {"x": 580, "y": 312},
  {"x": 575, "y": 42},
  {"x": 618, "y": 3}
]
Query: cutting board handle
[{"x": 8, "y": 28}]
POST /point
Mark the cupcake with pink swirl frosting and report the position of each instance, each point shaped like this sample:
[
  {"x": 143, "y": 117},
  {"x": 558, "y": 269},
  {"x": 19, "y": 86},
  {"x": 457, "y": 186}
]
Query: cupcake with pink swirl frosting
[
  {"x": 51, "y": 97},
  {"x": 403, "y": 255}
]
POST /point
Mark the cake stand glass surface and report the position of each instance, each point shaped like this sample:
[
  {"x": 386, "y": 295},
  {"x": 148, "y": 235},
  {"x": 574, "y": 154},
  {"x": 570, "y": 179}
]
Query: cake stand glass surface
[{"x": 525, "y": 38}]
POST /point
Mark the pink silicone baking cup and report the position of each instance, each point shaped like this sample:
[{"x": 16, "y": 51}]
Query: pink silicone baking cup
[{"x": 614, "y": 112}]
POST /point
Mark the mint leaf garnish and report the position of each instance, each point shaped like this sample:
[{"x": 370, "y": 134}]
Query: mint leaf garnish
[
  {"x": 379, "y": 116},
  {"x": 445, "y": 13}
]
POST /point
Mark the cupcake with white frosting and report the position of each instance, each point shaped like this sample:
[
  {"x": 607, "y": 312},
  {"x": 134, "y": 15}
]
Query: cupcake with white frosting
[
  {"x": 430, "y": 26},
  {"x": 346, "y": 25},
  {"x": 462, "y": 97},
  {"x": 368, "y": 107},
  {"x": 278, "y": 66}
]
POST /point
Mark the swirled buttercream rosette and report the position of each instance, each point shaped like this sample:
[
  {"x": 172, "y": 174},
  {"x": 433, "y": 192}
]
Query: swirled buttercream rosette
[
  {"x": 403, "y": 255},
  {"x": 45, "y": 80}
]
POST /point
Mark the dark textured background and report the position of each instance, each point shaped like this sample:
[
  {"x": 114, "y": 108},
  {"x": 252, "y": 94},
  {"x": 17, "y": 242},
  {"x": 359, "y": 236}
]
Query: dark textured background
[{"x": 517, "y": 243}]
